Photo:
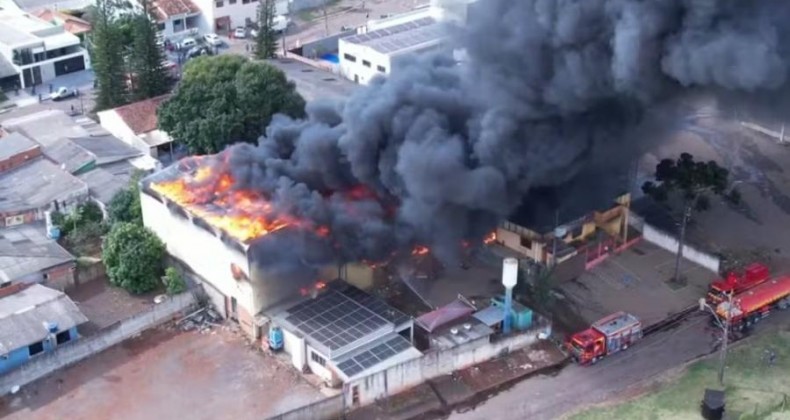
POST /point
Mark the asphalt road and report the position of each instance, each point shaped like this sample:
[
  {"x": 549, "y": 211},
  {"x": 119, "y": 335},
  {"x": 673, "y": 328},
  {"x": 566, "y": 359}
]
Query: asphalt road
[{"x": 622, "y": 375}]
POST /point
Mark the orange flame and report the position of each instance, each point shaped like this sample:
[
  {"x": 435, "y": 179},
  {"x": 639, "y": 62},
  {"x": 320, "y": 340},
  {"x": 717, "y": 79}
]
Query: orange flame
[
  {"x": 490, "y": 238},
  {"x": 207, "y": 192},
  {"x": 420, "y": 250}
]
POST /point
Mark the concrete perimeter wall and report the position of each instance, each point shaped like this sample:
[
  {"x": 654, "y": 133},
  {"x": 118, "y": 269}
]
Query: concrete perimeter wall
[
  {"x": 328, "y": 408},
  {"x": 413, "y": 372},
  {"x": 78, "y": 350},
  {"x": 669, "y": 243}
]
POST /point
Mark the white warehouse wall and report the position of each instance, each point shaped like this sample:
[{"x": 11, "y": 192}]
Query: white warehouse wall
[
  {"x": 357, "y": 71},
  {"x": 202, "y": 251}
]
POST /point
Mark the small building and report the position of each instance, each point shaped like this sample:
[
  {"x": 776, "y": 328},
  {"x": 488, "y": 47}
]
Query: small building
[
  {"x": 137, "y": 125},
  {"x": 176, "y": 19},
  {"x": 35, "y": 187},
  {"x": 27, "y": 255},
  {"x": 468, "y": 331},
  {"x": 584, "y": 235},
  {"x": 34, "y": 320},
  {"x": 343, "y": 333},
  {"x": 430, "y": 322},
  {"x": 368, "y": 54},
  {"x": 221, "y": 16},
  {"x": 34, "y": 51}
]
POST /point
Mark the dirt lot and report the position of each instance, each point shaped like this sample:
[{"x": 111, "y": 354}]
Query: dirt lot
[
  {"x": 105, "y": 305},
  {"x": 167, "y": 374}
]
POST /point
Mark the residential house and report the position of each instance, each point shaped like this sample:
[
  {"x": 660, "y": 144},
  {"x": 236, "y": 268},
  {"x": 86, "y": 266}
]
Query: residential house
[
  {"x": 28, "y": 255},
  {"x": 34, "y": 51},
  {"x": 221, "y": 16},
  {"x": 33, "y": 5},
  {"x": 34, "y": 320},
  {"x": 72, "y": 24},
  {"x": 136, "y": 124},
  {"x": 31, "y": 185},
  {"x": 79, "y": 147},
  {"x": 176, "y": 19}
]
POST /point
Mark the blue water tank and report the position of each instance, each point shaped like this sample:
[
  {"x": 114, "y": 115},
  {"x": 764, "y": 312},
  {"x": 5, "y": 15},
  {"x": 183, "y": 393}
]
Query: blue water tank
[{"x": 275, "y": 338}]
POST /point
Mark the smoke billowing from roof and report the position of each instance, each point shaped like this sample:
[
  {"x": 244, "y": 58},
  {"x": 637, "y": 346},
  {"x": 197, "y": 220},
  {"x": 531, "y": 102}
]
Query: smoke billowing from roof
[{"x": 553, "y": 92}]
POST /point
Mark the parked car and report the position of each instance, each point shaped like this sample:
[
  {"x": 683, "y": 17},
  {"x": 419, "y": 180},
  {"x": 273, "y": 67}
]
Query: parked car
[
  {"x": 198, "y": 51},
  {"x": 212, "y": 39},
  {"x": 240, "y": 33},
  {"x": 63, "y": 93},
  {"x": 187, "y": 43}
]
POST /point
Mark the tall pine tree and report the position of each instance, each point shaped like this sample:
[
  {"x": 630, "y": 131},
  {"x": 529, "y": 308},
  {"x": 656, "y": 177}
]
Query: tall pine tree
[
  {"x": 266, "y": 41},
  {"x": 107, "y": 56},
  {"x": 147, "y": 58}
]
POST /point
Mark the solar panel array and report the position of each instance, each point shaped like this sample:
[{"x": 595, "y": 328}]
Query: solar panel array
[
  {"x": 373, "y": 356},
  {"x": 374, "y": 304},
  {"x": 334, "y": 320},
  {"x": 400, "y": 37}
]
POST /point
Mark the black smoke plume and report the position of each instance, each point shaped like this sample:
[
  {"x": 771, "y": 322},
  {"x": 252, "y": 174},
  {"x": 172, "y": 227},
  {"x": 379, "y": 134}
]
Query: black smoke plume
[{"x": 553, "y": 95}]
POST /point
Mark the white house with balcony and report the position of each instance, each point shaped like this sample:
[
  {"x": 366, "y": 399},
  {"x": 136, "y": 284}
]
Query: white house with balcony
[
  {"x": 176, "y": 19},
  {"x": 34, "y": 51}
]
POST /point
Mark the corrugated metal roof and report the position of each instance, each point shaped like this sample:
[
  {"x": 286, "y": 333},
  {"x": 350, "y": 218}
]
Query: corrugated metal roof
[
  {"x": 24, "y": 314},
  {"x": 25, "y": 249},
  {"x": 37, "y": 185}
]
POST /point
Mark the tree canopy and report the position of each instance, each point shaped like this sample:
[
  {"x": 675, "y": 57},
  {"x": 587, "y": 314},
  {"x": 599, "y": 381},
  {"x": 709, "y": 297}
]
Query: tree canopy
[
  {"x": 133, "y": 256},
  {"x": 147, "y": 58},
  {"x": 124, "y": 207},
  {"x": 266, "y": 41},
  {"x": 107, "y": 56},
  {"x": 692, "y": 180},
  {"x": 226, "y": 99}
]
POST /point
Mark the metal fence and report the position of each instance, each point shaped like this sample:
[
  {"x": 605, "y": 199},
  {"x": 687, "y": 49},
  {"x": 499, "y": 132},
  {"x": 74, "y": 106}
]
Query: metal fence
[{"x": 73, "y": 352}]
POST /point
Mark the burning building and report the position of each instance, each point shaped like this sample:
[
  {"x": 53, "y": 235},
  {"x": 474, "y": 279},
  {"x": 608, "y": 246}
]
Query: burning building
[{"x": 225, "y": 238}]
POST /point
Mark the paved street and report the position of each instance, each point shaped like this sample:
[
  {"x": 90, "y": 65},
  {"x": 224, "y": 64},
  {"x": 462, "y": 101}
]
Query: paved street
[{"x": 616, "y": 378}]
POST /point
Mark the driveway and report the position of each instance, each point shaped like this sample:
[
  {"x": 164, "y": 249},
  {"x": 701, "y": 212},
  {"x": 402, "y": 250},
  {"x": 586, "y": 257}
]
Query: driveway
[{"x": 167, "y": 374}]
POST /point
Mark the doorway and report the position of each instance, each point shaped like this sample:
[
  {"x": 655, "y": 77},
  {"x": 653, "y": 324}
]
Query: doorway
[{"x": 234, "y": 309}]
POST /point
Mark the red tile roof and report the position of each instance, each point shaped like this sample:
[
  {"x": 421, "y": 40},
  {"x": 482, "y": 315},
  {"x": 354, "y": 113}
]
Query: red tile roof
[
  {"x": 72, "y": 24},
  {"x": 141, "y": 116},
  {"x": 164, "y": 9}
]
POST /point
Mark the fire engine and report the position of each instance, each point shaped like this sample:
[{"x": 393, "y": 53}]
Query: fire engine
[
  {"x": 753, "y": 275},
  {"x": 756, "y": 303},
  {"x": 609, "y": 335}
]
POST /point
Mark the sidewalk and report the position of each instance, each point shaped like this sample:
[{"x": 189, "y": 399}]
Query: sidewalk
[{"x": 468, "y": 387}]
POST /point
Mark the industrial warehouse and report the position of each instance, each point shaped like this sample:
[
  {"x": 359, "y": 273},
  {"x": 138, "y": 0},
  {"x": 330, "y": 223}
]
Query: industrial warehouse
[{"x": 330, "y": 326}]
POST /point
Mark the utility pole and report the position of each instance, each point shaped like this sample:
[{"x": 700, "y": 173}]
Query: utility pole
[
  {"x": 725, "y": 331},
  {"x": 725, "y": 340}
]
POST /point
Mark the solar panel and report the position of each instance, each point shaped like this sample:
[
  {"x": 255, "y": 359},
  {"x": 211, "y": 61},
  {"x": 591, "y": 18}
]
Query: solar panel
[
  {"x": 374, "y": 355},
  {"x": 399, "y": 37},
  {"x": 334, "y": 320}
]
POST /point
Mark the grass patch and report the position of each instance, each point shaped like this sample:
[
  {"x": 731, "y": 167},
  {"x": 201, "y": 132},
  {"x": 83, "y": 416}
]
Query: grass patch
[{"x": 753, "y": 388}]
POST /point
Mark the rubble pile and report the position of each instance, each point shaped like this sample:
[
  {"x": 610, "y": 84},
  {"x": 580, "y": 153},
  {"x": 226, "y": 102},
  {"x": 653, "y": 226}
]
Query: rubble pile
[{"x": 201, "y": 320}]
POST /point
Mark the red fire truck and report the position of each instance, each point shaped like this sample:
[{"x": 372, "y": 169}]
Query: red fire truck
[
  {"x": 753, "y": 275},
  {"x": 756, "y": 303},
  {"x": 609, "y": 335}
]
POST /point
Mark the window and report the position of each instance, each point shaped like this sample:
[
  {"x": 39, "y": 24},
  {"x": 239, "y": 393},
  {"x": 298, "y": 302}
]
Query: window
[
  {"x": 63, "y": 337},
  {"x": 317, "y": 358},
  {"x": 219, "y": 3},
  {"x": 381, "y": 69},
  {"x": 350, "y": 58},
  {"x": 160, "y": 27},
  {"x": 231, "y": 1},
  {"x": 246, "y": 1},
  {"x": 36, "y": 348},
  {"x": 526, "y": 243},
  {"x": 366, "y": 63}
]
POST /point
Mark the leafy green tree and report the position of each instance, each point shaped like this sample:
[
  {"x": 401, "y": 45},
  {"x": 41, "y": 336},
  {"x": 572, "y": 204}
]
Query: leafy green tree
[
  {"x": 173, "y": 281},
  {"x": 125, "y": 204},
  {"x": 133, "y": 256},
  {"x": 225, "y": 99},
  {"x": 150, "y": 77},
  {"x": 107, "y": 56},
  {"x": 691, "y": 182},
  {"x": 266, "y": 41}
]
